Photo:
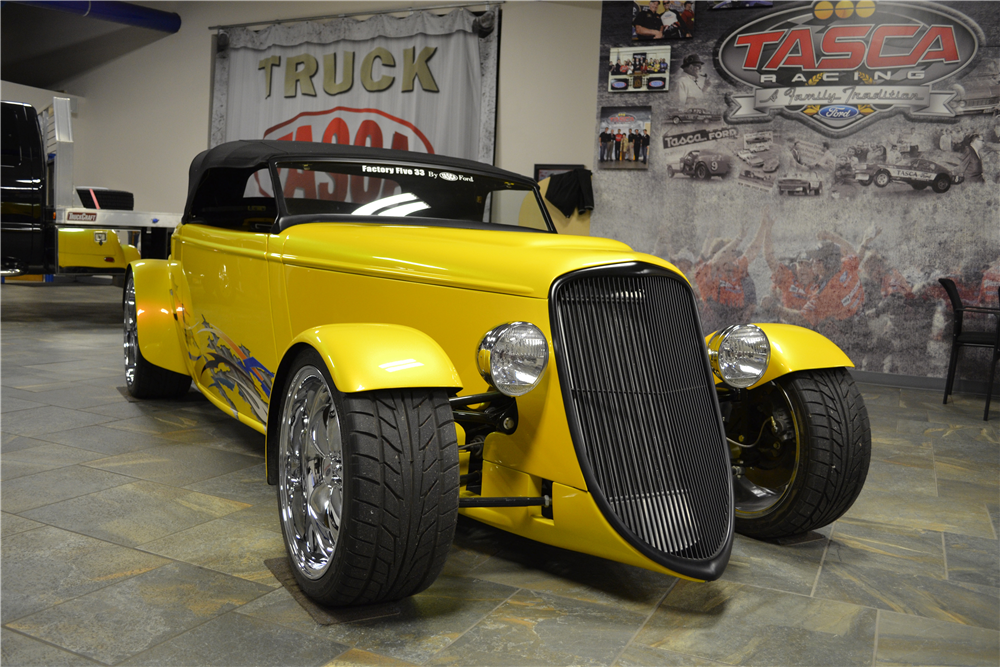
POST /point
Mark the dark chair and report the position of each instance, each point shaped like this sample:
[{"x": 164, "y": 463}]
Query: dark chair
[{"x": 961, "y": 338}]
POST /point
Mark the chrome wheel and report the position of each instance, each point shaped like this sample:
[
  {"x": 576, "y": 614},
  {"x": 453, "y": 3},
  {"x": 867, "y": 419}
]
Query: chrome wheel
[
  {"x": 131, "y": 343},
  {"x": 310, "y": 472}
]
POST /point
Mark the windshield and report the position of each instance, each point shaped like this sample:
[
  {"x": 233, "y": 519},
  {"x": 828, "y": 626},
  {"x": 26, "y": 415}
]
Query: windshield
[{"x": 412, "y": 191}]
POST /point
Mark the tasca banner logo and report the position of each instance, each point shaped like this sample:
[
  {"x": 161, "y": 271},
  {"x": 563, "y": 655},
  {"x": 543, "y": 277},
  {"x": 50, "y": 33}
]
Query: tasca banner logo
[
  {"x": 838, "y": 64},
  {"x": 358, "y": 127}
]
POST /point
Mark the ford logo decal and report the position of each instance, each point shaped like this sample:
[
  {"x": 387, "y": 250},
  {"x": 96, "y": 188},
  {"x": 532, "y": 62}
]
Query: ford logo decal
[
  {"x": 448, "y": 176},
  {"x": 655, "y": 83},
  {"x": 837, "y": 111},
  {"x": 618, "y": 84}
]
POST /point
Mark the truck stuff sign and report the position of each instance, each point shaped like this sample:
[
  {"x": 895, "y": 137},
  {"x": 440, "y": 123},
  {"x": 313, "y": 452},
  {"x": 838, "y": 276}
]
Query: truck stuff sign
[
  {"x": 837, "y": 65},
  {"x": 422, "y": 83}
]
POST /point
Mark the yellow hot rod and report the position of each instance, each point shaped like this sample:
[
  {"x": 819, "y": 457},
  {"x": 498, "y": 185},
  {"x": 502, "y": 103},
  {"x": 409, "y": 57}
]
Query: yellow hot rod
[{"x": 416, "y": 341}]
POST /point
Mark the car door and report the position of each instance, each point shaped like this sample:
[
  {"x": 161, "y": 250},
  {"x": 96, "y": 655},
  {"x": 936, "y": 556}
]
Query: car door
[{"x": 227, "y": 316}]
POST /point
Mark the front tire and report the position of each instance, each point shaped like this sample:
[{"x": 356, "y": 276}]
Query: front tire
[
  {"x": 367, "y": 487},
  {"x": 809, "y": 467},
  {"x": 882, "y": 179},
  {"x": 142, "y": 378},
  {"x": 941, "y": 184}
]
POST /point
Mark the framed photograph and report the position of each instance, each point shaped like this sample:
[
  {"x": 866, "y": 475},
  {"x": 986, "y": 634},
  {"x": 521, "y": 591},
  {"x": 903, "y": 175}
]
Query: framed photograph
[
  {"x": 639, "y": 69},
  {"x": 655, "y": 20},
  {"x": 543, "y": 171},
  {"x": 623, "y": 139}
]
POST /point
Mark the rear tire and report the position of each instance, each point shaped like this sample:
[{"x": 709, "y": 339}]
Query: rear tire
[
  {"x": 882, "y": 179},
  {"x": 142, "y": 378},
  {"x": 814, "y": 465},
  {"x": 701, "y": 172},
  {"x": 367, "y": 487}
]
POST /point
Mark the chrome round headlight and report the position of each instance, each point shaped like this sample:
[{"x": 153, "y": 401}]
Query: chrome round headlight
[
  {"x": 739, "y": 354},
  {"x": 512, "y": 357}
]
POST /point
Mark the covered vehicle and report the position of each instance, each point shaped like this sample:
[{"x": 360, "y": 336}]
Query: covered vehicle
[
  {"x": 700, "y": 164},
  {"x": 416, "y": 341},
  {"x": 917, "y": 172}
]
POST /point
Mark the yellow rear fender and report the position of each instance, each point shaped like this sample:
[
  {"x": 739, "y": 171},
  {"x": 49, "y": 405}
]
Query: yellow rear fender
[
  {"x": 131, "y": 253},
  {"x": 364, "y": 357},
  {"x": 154, "y": 309},
  {"x": 795, "y": 348}
]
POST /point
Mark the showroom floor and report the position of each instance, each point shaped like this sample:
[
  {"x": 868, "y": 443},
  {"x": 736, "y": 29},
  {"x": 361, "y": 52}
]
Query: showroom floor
[{"x": 135, "y": 533}]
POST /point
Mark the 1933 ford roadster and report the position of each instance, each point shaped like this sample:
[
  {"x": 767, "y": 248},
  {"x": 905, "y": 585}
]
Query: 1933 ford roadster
[{"x": 415, "y": 341}]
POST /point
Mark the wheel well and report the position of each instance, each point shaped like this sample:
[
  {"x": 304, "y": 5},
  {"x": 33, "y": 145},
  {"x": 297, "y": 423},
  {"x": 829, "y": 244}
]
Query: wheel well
[{"x": 273, "y": 411}]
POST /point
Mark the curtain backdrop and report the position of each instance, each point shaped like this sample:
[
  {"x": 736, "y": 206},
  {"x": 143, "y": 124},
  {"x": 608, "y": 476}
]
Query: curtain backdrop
[{"x": 424, "y": 83}]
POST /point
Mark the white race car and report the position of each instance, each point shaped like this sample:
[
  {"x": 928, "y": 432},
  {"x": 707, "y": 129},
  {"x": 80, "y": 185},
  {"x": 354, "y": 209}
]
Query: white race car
[
  {"x": 750, "y": 158},
  {"x": 918, "y": 172}
]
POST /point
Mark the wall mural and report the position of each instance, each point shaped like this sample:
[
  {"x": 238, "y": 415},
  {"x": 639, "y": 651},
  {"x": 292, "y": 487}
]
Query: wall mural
[{"x": 821, "y": 164}]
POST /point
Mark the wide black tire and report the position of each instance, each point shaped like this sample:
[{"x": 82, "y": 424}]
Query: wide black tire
[
  {"x": 701, "y": 172},
  {"x": 830, "y": 437},
  {"x": 398, "y": 476},
  {"x": 142, "y": 378}
]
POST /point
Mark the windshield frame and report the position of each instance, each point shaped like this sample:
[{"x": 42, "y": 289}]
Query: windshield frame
[{"x": 286, "y": 219}]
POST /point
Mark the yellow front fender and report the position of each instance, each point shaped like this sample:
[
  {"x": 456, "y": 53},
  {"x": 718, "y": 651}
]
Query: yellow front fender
[
  {"x": 154, "y": 307},
  {"x": 796, "y": 348},
  {"x": 363, "y": 357}
]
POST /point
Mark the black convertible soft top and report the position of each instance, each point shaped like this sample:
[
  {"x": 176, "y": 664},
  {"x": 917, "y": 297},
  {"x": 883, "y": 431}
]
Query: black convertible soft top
[{"x": 250, "y": 155}]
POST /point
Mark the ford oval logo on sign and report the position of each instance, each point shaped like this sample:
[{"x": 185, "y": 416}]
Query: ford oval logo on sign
[
  {"x": 838, "y": 111},
  {"x": 618, "y": 84},
  {"x": 448, "y": 176},
  {"x": 657, "y": 82}
]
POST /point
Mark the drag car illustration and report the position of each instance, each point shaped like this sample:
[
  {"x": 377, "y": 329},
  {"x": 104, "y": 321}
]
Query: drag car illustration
[
  {"x": 750, "y": 158},
  {"x": 917, "y": 172},
  {"x": 701, "y": 165},
  {"x": 692, "y": 115},
  {"x": 800, "y": 186},
  {"x": 415, "y": 341}
]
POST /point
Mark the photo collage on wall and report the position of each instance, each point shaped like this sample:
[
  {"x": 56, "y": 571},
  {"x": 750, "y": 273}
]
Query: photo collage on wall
[{"x": 785, "y": 169}]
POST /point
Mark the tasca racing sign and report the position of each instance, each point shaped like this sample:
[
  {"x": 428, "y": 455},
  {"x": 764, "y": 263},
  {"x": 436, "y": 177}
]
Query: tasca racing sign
[
  {"x": 355, "y": 127},
  {"x": 346, "y": 126},
  {"x": 838, "y": 64}
]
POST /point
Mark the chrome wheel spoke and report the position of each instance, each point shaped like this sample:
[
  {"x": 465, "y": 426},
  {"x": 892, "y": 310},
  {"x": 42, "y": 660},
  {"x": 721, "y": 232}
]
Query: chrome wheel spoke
[
  {"x": 131, "y": 338},
  {"x": 310, "y": 472}
]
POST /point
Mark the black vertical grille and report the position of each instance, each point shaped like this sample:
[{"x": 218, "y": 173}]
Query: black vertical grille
[{"x": 643, "y": 411}]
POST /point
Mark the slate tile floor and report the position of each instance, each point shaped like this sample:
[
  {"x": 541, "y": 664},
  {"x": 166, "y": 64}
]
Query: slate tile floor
[{"x": 134, "y": 533}]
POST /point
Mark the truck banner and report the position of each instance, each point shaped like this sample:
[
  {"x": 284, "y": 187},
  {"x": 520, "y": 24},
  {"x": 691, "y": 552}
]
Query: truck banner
[{"x": 425, "y": 83}]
